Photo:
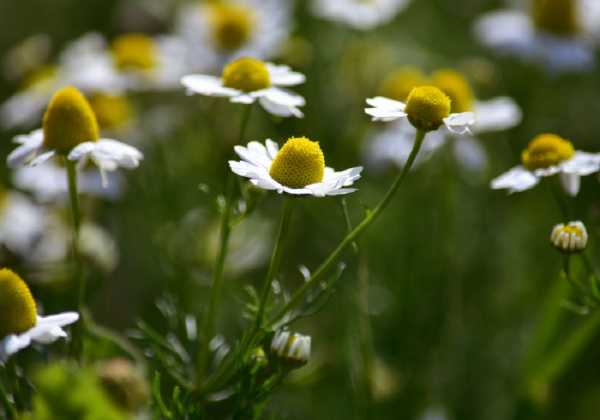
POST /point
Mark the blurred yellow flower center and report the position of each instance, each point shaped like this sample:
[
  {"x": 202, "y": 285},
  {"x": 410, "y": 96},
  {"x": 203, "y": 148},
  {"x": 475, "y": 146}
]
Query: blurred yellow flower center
[
  {"x": 454, "y": 84},
  {"x": 40, "y": 78},
  {"x": 426, "y": 107},
  {"x": 246, "y": 74},
  {"x": 134, "y": 52},
  {"x": 231, "y": 25},
  {"x": 299, "y": 163},
  {"x": 112, "y": 111},
  {"x": 69, "y": 120},
  {"x": 17, "y": 307},
  {"x": 398, "y": 84},
  {"x": 546, "y": 150},
  {"x": 557, "y": 17}
]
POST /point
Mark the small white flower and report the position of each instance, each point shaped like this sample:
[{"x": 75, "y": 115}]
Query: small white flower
[
  {"x": 47, "y": 330},
  {"x": 549, "y": 155},
  {"x": 514, "y": 32},
  {"x": 571, "y": 238},
  {"x": 385, "y": 109},
  {"x": 291, "y": 347},
  {"x": 266, "y": 87},
  {"x": 359, "y": 14},
  {"x": 215, "y": 33},
  {"x": 320, "y": 181}
]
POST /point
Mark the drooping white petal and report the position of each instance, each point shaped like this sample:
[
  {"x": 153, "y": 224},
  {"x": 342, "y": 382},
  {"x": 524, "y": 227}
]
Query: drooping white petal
[
  {"x": 496, "y": 114},
  {"x": 460, "y": 123},
  {"x": 279, "y": 109},
  {"x": 30, "y": 145},
  {"x": 207, "y": 85},
  {"x": 11, "y": 344},
  {"x": 570, "y": 183},
  {"x": 108, "y": 154},
  {"x": 515, "y": 180},
  {"x": 44, "y": 157}
]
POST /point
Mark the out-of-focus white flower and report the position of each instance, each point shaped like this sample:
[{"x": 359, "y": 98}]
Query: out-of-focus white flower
[
  {"x": 571, "y": 238},
  {"x": 547, "y": 155},
  {"x": 217, "y": 32},
  {"x": 70, "y": 129},
  {"x": 558, "y": 34},
  {"x": 21, "y": 222},
  {"x": 292, "y": 348},
  {"x": 247, "y": 80},
  {"x": 297, "y": 169},
  {"x": 359, "y": 14},
  {"x": 20, "y": 324}
]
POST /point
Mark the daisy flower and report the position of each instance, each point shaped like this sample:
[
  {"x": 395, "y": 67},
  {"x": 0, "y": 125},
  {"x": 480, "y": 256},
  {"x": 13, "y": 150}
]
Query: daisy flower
[
  {"x": 70, "y": 130},
  {"x": 395, "y": 142},
  {"x": 292, "y": 348},
  {"x": 217, "y": 32},
  {"x": 359, "y": 14},
  {"x": 548, "y": 155},
  {"x": 21, "y": 222},
  {"x": 297, "y": 169},
  {"x": 558, "y": 34},
  {"x": 247, "y": 80},
  {"x": 427, "y": 108},
  {"x": 20, "y": 323}
]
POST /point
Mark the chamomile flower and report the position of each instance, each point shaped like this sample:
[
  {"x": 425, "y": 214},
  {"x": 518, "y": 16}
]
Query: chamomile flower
[
  {"x": 427, "y": 108},
  {"x": 20, "y": 324},
  {"x": 395, "y": 142},
  {"x": 247, "y": 80},
  {"x": 298, "y": 168},
  {"x": 558, "y": 34},
  {"x": 21, "y": 222},
  {"x": 291, "y": 348},
  {"x": 548, "y": 155},
  {"x": 217, "y": 32},
  {"x": 359, "y": 14},
  {"x": 70, "y": 130}
]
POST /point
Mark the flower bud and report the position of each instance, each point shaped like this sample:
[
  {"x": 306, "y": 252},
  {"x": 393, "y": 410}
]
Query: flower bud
[
  {"x": 291, "y": 348},
  {"x": 571, "y": 238}
]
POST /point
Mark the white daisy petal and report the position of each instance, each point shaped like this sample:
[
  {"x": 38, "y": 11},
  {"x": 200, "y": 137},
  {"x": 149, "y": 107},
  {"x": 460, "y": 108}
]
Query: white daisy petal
[
  {"x": 582, "y": 163},
  {"x": 207, "y": 85},
  {"x": 460, "y": 123},
  {"x": 516, "y": 180},
  {"x": 386, "y": 103},
  {"x": 279, "y": 109},
  {"x": 282, "y": 75},
  {"x": 496, "y": 114},
  {"x": 243, "y": 99},
  {"x": 42, "y": 158},
  {"x": 11, "y": 344},
  {"x": 272, "y": 148},
  {"x": 30, "y": 145},
  {"x": 570, "y": 183}
]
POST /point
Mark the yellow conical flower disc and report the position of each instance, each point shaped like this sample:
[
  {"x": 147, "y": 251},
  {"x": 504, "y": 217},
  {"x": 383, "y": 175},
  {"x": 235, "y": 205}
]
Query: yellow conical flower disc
[
  {"x": 556, "y": 16},
  {"x": 426, "y": 107},
  {"x": 231, "y": 24},
  {"x": 17, "y": 307},
  {"x": 69, "y": 120},
  {"x": 299, "y": 163},
  {"x": 246, "y": 74},
  {"x": 454, "y": 84},
  {"x": 546, "y": 150},
  {"x": 134, "y": 52}
]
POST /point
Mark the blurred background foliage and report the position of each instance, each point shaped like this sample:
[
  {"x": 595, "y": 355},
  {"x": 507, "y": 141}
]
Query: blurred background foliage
[{"x": 457, "y": 273}]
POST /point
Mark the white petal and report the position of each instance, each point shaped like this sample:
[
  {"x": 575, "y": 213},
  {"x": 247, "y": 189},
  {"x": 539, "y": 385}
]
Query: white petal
[
  {"x": 243, "y": 99},
  {"x": 42, "y": 158},
  {"x": 279, "y": 109},
  {"x": 11, "y": 344},
  {"x": 386, "y": 103},
  {"x": 460, "y": 123},
  {"x": 282, "y": 75},
  {"x": 582, "y": 163},
  {"x": 30, "y": 145},
  {"x": 272, "y": 148},
  {"x": 207, "y": 85},
  {"x": 516, "y": 180},
  {"x": 497, "y": 114},
  {"x": 62, "y": 319},
  {"x": 253, "y": 154},
  {"x": 380, "y": 114},
  {"x": 281, "y": 96},
  {"x": 570, "y": 183}
]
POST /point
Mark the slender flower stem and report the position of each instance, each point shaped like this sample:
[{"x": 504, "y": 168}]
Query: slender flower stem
[
  {"x": 351, "y": 237},
  {"x": 217, "y": 283},
  {"x": 284, "y": 225}
]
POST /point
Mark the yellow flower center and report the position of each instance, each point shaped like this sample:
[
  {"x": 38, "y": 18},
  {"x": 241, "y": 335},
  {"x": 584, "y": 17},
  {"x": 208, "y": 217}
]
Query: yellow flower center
[
  {"x": 427, "y": 106},
  {"x": 399, "y": 83},
  {"x": 454, "y": 84},
  {"x": 299, "y": 163},
  {"x": 231, "y": 25},
  {"x": 112, "y": 111},
  {"x": 246, "y": 74},
  {"x": 557, "y": 17},
  {"x": 17, "y": 307},
  {"x": 570, "y": 238},
  {"x": 40, "y": 78},
  {"x": 134, "y": 52},
  {"x": 68, "y": 121},
  {"x": 546, "y": 150}
]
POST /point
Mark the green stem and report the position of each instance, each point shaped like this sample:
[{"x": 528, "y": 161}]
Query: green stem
[
  {"x": 344, "y": 205},
  {"x": 217, "y": 282},
  {"x": 284, "y": 224},
  {"x": 351, "y": 237}
]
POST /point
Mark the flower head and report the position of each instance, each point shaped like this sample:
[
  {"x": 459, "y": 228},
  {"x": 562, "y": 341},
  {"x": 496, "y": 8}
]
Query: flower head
[
  {"x": 231, "y": 25},
  {"x": 247, "y": 80},
  {"x": 113, "y": 111},
  {"x": 297, "y": 169},
  {"x": 570, "y": 238},
  {"x": 427, "y": 108},
  {"x": 19, "y": 322},
  {"x": 134, "y": 51},
  {"x": 359, "y": 14},
  {"x": 291, "y": 348},
  {"x": 547, "y": 155}
]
